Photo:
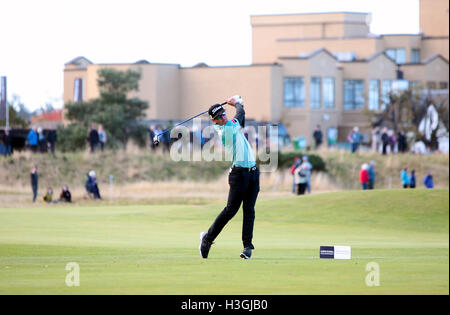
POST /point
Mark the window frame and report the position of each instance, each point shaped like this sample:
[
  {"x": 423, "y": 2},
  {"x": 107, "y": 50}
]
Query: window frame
[{"x": 298, "y": 86}]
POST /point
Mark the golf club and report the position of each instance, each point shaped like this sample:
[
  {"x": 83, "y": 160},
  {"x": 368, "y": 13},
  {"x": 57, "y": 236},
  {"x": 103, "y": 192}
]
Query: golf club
[{"x": 156, "y": 137}]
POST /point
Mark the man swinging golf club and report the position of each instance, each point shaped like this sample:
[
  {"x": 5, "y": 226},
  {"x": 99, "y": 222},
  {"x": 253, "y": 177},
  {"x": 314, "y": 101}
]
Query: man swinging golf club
[{"x": 243, "y": 178}]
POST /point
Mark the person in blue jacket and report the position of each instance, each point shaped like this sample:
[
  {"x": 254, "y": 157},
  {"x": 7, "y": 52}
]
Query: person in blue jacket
[
  {"x": 412, "y": 179},
  {"x": 32, "y": 139},
  {"x": 372, "y": 174},
  {"x": 428, "y": 181},
  {"x": 404, "y": 177}
]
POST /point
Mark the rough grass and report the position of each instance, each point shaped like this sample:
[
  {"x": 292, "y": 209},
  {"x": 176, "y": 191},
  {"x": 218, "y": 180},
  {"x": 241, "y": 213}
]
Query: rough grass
[
  {"x": 125, "y": 166},
  {"x": 140, "y": 173},
  {"x": 343, "y": 168},
  {"x": 152, "y": 249}
]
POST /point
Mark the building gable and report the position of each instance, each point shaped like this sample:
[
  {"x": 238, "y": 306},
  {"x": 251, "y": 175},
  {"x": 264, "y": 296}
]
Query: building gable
[{"x": 79, "y": 63}]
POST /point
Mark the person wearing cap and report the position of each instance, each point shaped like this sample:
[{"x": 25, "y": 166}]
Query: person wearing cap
[
  {"x": 243, "y": 178},
  {"x": 91, "y": 185},
  {"x": 301, "y": 178}
]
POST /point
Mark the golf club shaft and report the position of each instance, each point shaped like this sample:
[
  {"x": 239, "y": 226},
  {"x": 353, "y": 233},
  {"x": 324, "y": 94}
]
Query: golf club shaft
[{"x": 185, "y": 121}]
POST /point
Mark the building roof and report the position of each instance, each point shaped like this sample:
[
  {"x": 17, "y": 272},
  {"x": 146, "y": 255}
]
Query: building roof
[
  {"x": 432, "y": 58},
  {"x": 378, "y": 54},
  {"x": 54, "y": 116},
  {"x": 79, "y": 61},
  {"x": 311, "y": 55}
]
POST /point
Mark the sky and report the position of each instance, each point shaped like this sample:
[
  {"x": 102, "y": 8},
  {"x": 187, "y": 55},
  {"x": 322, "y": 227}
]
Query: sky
[{"x": 38, "y": 37}]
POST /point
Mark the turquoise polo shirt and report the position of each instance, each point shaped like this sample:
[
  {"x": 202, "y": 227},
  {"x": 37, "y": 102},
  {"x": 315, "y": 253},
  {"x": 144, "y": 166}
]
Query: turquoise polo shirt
[{"x": 235, "y": 143}]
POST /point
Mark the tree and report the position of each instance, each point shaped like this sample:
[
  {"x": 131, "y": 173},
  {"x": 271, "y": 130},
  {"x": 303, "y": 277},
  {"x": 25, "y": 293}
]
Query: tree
[
  {"x": 117, "y": 113},
  {"x": 18, "y": 118},
  {"x": 405, "y": 111}
]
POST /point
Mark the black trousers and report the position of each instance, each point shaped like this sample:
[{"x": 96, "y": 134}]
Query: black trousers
[
  {"x": 244, "y": 189},
  {"x": 301, "y": 188},
  {"x": 35, "y": 189}
]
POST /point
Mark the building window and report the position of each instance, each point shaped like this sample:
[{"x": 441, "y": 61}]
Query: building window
[
  {"x": 386, "y": 89},
  {"x": 397, "y": 54},
  {"x": 374, "y": 95},
  {"x": 431, "y": 85},
  {"x": 294, "y": 92},
  {"x": 78, "y": 93},
  {"x": 328, "y": 92},
  {"x": 353, "y": 94},
  {"x": 314, "y": 96},
  {"x": 415, "y": 56},
  {"x": 416, "y": 87},
  {"x": 443, "y": 85}
]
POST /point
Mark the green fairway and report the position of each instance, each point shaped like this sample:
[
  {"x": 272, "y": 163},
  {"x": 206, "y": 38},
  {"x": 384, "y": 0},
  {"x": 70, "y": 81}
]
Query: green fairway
[{"x": 153, "y": 249}]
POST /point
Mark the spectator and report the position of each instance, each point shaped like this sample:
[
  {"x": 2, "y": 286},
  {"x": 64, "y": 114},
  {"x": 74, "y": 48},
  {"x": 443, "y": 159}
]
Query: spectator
[
  {"x": 428, "y": 181},
  {"x": 308, "y": 166},
  {"x": 318, "y": 136},
  {"x": 101, "y": 137},
  {"x": 402, "y": 143},
  {"x": 7, "y": 141},
  {"x": 32, "y": 139},
  {"x": 151, "y": 134},
  {"x": 293, "y": 168},
  {"x": 65, "y": 195},
  {"x": 49, "y": 195},
  {"x": 355, "y": 139},
  {"x": 301, "y": 178},
  {"x": 404, "y": 177},
  {"x": 385, "y": 140},
  {"x": 158, "y": 132},
  {"x": 412, "y": 179},
  {"x": 34, "y": 181},
  {"x": 93, "y": 138},
  {"x": 364, "y": 176},
  {"x": 376, "y": 139},
  {"x": 372, "y": 175},
  {"x": 392, "y": 141},
  {"x": 52, "y": 137},
  {"x": 165, "y": 139},
  {"x": 42, "y": 141},
  {"x": 91, "y": 186}
]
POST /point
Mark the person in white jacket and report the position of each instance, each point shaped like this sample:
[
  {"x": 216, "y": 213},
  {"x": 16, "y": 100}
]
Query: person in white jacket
[{"x": 301, "y": 178}]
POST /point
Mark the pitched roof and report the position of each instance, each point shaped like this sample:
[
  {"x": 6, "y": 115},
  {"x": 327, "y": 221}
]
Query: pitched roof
[
  {"x": 312, "y": 55},
  {"x": 432, "y": 58},
  {"x": 79, "y": 61}
]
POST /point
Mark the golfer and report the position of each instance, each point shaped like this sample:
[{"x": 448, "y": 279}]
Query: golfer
[{"x": 243, "y": 178}]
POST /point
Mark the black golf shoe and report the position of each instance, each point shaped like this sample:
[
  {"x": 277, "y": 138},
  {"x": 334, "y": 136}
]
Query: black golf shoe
[
  {"x": 247, "y": 253},
  {"x": 205, "y": 245}
]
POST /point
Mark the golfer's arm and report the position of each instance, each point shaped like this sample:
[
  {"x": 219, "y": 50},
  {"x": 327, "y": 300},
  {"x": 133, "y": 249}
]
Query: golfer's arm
[{"x": 240, "y": 114}]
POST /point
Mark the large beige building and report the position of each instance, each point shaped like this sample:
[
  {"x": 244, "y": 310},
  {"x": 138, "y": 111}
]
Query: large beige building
[{"x": 307, "y": 70}]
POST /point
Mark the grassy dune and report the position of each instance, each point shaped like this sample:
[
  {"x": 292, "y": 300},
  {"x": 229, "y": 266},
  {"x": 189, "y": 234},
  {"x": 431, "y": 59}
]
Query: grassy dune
[{"x": 153, "y": 249}]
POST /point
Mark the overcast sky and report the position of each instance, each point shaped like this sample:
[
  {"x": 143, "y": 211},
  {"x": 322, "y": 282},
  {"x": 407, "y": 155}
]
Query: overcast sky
[{"x": 39, "y": 37}]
